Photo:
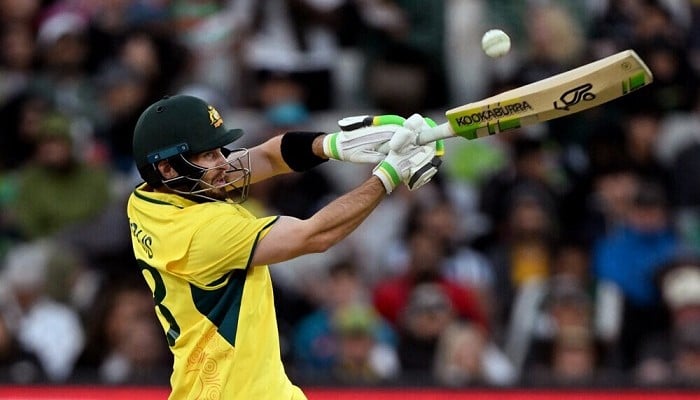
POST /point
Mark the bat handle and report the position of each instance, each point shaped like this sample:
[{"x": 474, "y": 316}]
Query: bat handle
[{"x": 442, "y": 131}]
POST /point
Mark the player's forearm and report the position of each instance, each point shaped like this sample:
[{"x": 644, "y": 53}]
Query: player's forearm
[
  {"x": 291, "y": 237},
  {"x": 342, "y": 216},
  {"x": 266, "y": 160}
]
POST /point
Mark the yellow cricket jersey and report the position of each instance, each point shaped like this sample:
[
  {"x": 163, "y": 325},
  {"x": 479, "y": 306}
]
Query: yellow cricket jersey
[{"x": 216, "y": 309}]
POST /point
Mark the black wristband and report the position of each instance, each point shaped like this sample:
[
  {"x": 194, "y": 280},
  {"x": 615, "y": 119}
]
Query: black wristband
[{"x": 297, "y": 152}]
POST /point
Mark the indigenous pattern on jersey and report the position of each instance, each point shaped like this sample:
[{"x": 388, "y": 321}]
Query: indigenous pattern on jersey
[{"x": 216, "y": 309}]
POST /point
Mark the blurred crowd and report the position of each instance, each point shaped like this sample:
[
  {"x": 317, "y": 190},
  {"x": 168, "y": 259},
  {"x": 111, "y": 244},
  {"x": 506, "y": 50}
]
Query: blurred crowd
[{"x": 564, "y": 254}]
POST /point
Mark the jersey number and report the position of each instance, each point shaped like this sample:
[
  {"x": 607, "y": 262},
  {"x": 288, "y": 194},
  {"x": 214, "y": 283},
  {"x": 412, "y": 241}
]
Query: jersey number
[{"x": 158, "y": 296}]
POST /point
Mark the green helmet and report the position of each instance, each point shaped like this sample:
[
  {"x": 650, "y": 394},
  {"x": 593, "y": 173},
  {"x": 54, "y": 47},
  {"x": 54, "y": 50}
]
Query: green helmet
[{"x": 173, "y": 128}]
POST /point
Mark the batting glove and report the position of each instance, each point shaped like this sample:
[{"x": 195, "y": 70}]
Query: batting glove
[
  {"x": 364, "y": 139},
  {"x": 407, "y": 162}
]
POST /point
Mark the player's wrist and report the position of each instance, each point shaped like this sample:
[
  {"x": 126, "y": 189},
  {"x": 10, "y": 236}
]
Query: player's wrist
[
  {"x": 317, "y": 146},
  {"x": 388, "y": 175},
  {"x": 376, "y": 180},
  {"x": 329, "y": 146}
]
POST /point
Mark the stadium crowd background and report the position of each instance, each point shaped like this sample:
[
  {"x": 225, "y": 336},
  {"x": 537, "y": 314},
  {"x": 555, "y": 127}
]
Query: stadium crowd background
[{"x": 561, "y": 255}]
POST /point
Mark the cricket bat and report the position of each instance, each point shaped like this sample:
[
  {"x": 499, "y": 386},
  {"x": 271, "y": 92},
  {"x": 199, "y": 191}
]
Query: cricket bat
[{"x": 558, "y": 96}]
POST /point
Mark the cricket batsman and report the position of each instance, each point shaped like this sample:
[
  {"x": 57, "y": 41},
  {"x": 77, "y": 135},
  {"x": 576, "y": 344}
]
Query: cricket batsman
[{"x": 206, "y": 258}]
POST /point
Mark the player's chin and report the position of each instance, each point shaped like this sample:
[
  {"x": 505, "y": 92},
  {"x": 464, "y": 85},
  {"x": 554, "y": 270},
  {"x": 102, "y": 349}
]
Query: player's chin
[{"x": 217, "y": 193}]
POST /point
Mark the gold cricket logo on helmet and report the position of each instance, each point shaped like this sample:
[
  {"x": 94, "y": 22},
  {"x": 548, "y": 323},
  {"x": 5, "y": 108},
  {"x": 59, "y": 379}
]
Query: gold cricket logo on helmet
[{"x": 214, "y": 117}]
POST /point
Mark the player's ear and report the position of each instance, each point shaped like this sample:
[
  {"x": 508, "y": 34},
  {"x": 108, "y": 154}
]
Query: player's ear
[{"x": 166, "y": 170}]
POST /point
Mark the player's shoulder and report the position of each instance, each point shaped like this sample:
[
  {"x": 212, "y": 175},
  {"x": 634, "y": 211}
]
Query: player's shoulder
[{"x": 145, "y": 195}]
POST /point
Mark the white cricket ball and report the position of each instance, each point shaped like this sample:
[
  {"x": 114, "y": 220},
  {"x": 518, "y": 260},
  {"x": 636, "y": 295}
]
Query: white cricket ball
[{"x": 495, "y": 43}]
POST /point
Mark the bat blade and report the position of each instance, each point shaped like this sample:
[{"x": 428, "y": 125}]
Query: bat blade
[{"x": 558, "y": 96}]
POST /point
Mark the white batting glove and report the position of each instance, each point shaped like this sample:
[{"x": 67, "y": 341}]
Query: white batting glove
[
  {"x": 406, "y": 162},
  {"x": 365, "y": 139},
  {"x": 358, "y": 140},
  {"x": 416, "y": 123}
]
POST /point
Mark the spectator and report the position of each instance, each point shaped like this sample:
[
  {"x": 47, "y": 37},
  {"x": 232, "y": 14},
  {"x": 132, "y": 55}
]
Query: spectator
[
  {"x": 63, "y": 76},
  {"x": 142, "y": 66},
  {"x": 466, "y": 356},
  {"x": 676, "y": 85},
  {"x": 297, "y": 38},
  {"x": 155, "y": 57},
  {"x": 211, "y": 35},
  {"x": 17, "y": 366},
  {"x": 607, "y": 201},
  {"x": 670, "y": 357},
  {"x": 123, "y": 94},
  {"x": 660, "y": 32},
  {"x": 282, "y": 100},
  {"x": 112, "y": 23},
  {"x": 19, "y": 11},
  {"x": 392, "y": 295},
  {"x": 17, "y": 59},
  {"x": 541, "y": 304},
  {"x": 57, "y": 189},
  {"x": 641, "y": 135},
  {"x": 21, "y": 119},
  {"x": 686, "y": 356},
  {"x": 124, "y": 346},
  {"x": 363, "y": 356},
  {"x": 546, "y": 57},
  {"x": 33, "y": 316},
  {"x": 566, "y": 350},
  {"x": 676, "y": 148},
  {"x": 343, "y": 300},
  {"x": 627, "y": 258},
  {"x": 461, "y": 264},
  {"x": 400, "y": 47},
  {"x": 613, "y": 26},
  {"x": 522, "y": 256},
  {"x": 574, "y": 357},
  {"x": 530, "y": 171},
  {"x": 571, "y": 360},
  {"x": 423, "y": 320}
]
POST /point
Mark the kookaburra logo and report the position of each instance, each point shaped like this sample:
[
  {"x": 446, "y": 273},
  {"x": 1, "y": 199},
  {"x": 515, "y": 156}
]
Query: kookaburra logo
[
  {"x": 214, "y": 117},
  {"x": 574, "y": 96}
]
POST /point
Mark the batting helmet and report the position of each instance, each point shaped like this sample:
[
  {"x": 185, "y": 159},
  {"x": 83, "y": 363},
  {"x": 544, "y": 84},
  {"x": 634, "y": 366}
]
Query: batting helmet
[{"x": 174, "y": 128}]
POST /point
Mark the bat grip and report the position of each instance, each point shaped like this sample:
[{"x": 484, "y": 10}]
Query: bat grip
[{"x": 442, "y": 131}]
